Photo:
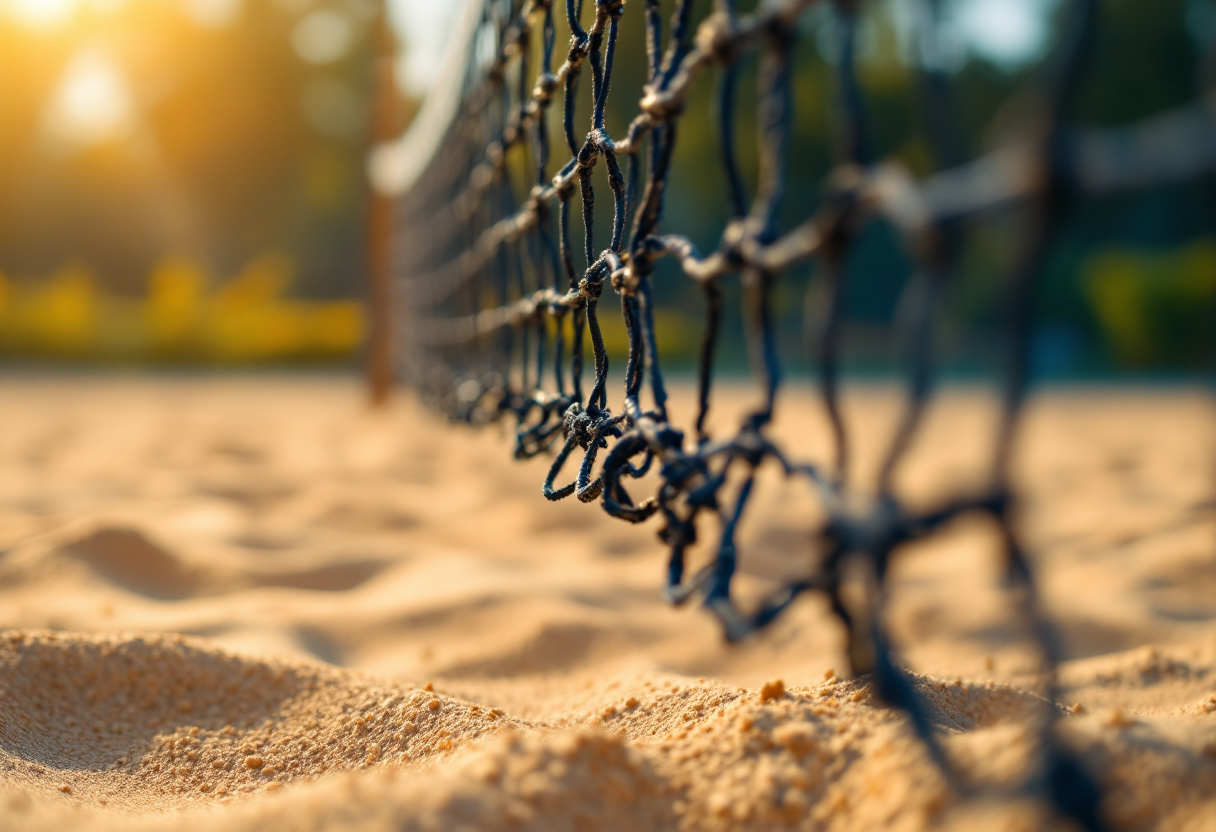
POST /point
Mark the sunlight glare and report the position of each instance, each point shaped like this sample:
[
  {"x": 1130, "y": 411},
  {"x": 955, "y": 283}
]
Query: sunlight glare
[
  {"x": 323, "y": 36},
  {"x": 92, "y": 103},
  {"x": 48, "y": 14},
  {"x": 213, "y": 14},
  {"x": 1008, "y": 32},
  {"x": 425, "y": 27},
  {"x": 41, "y": 14}
]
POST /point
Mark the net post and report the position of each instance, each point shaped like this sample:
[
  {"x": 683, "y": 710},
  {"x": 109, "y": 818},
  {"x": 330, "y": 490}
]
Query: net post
[{"x": 378, "y": 349}]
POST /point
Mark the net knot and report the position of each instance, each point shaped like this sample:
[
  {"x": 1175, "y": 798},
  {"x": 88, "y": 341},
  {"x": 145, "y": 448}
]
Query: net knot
[
  {"x": 612, "y": 8},
  {"x": 563, "y": 187},
  {"x": 624, "y": 281},
  {"x": 468, "y": 391},
  {"x": 750, "y": 444},
  {"x": 844, "y": 196},
  {"x": 668, "y": 438},
  {"x": 578, "y": 51},
  {"x": 659, "y": 104},
  {"x": 495, "y": 155},
  {"x": 591, "y": 287},
  {"x": 678, "y": 534},
  {"x": 602, "y": 141},
  {"x": 546, "y": 85},
  {"x": 716, "y": 37},
  {"x": 743, "y": 237},
  {"x": 589, "y": 155},
  {"x": 587, "y": 426}
]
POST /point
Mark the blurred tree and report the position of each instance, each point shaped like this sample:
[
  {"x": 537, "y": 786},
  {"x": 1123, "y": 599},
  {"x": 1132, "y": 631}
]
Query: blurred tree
[
  {"x": 134, "y": 131},
  {"x": 211, "y": 133}
]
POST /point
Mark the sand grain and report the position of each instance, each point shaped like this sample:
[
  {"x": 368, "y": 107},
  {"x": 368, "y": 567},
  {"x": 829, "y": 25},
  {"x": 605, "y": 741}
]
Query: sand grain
[{"x": 248, "y": 603}]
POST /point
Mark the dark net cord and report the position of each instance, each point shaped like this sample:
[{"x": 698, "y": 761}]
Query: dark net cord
[{"x": 496, "y": 294}]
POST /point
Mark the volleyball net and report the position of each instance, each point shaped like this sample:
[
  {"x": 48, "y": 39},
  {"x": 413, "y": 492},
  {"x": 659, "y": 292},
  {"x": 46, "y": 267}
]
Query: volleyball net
[{"x": 502, "y": 255}]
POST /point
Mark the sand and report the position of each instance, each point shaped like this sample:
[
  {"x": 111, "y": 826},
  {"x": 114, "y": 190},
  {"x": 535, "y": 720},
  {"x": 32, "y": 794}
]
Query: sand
[{"x": 249, "y": 603}]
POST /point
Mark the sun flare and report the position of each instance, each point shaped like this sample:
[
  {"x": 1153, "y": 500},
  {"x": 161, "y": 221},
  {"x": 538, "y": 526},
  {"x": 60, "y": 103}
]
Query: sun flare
[
  {"x": 49, "y": 14},
  {"x": 41, "y": 14},
  {"x": 93, "y": 103}
]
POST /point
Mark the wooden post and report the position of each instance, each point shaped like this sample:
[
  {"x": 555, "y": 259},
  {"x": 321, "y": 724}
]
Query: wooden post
[{"x": 379, "y": 354}]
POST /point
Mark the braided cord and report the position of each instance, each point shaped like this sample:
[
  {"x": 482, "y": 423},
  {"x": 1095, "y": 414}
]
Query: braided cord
[{"x": 497, "y": 294}]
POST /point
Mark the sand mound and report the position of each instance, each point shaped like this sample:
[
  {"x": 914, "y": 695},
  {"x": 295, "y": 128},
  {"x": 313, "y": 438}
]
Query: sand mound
[
  {"x": 113, "y": 730},
  {"x": 129, "y": 559},
  {"x": 101, "y": 554},
  {"x": 167, "y": 721},
  {"x": 325, "y": 565}
]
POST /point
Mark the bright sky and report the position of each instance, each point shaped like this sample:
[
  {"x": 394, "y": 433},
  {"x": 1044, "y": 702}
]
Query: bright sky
[
  {"x": 425, "y": 26},
  {"x": 1006, "y": 31},
  {"x": 45, "y": 14}
]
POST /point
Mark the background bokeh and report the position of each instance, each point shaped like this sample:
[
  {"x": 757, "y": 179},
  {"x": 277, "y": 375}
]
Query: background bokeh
[{"x": 183, "y": 181}]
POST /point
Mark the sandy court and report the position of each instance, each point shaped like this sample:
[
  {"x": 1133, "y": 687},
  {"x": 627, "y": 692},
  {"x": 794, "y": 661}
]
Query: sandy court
[{"x": 250, "y": 596}]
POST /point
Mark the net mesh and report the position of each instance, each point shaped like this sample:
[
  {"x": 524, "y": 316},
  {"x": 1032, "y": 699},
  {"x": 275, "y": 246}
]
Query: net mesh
[{"x": 497, "y": 290}]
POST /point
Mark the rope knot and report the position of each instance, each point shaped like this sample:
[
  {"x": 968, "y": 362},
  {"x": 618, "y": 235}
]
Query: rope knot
[
  {"x": 578, "y": 51},
  {"x": 624, "y": 281},
  {"x": 716, "y": 37},
  {"x": 589, "y": 154},
  {"x": 591, "y": 289},
  {"x": 546, "y": 85},
  {"x": 678, "y": 533},
  {"x": 496, "y": 155},
  {"x": 659, "y": 104},
  {"x": 586, "y": 426},
  {"x": 563, "y": 188},
  {"x": 612, "y": 8}
]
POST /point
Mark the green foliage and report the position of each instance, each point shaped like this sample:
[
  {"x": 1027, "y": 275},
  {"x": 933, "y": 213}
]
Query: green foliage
[
  {"x": 184, "y": 318},
  {"x": 1156, "y": 309}
]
